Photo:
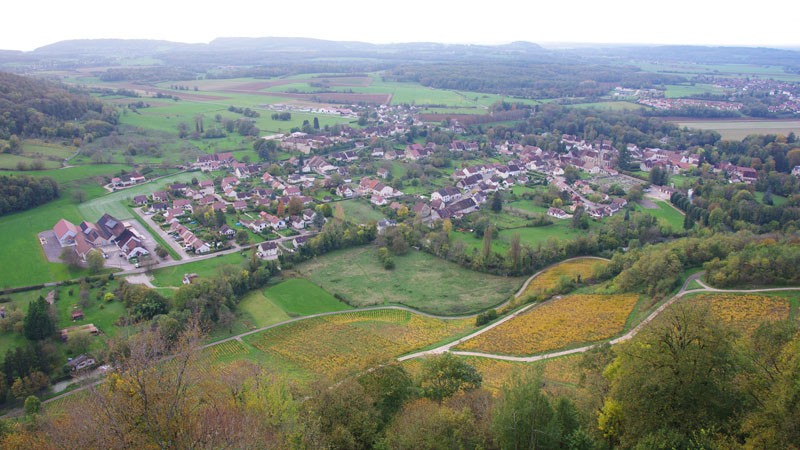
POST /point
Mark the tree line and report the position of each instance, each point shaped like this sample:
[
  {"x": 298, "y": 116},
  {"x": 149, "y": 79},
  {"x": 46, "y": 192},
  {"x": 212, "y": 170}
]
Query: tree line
[{"x": 21, "y": 192}]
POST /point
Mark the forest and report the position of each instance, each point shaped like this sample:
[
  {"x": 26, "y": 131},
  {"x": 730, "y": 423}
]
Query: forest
[
  {"x": 39, "y": 108},
  {"x": 20, "y": 192}
]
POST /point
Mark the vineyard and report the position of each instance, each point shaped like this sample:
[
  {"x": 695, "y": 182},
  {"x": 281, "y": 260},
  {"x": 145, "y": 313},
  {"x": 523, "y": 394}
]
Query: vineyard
[
  {"x": 564, "y": 322},
  {"x": 745, "y": 312},
  {"x": 549, "y": 279},
  {"x": 343, "y": 343},
  {"x": 496, "y": 373}
]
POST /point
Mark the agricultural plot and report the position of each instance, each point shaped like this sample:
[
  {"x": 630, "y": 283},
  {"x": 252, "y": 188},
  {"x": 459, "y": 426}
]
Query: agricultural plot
[
  {"x": 744, "y": 312},
  {"x": 352, "y": 341},
  {"x": 256, "y": 311},
  {"x": 496, "y": 373},
  {"x": 561, "y": 323},
  {"x": 611, "y": 106},
  {"x": 736, "y": 129},
  {"x": 419, "y": 280},
  {"x": 584, "y": 268},
  {"x": 686, "y": 90}
]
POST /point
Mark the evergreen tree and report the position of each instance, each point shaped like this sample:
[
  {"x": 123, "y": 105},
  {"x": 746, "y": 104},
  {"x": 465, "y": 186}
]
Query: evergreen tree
[{"x": 38, "y": 324}]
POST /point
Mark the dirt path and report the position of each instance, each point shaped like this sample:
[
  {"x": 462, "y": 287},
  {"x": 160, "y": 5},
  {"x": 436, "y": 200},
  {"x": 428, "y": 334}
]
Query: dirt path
[{"x": 625, "y": 337}]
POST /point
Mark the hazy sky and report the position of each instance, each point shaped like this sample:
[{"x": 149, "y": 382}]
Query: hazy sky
[{"x": 30, "y": 24}]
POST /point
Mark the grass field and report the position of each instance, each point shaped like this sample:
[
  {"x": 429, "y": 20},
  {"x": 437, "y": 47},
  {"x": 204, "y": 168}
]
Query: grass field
[
  {"x": 74, "y": 173},
  {"x": 359, "y": 211},
  {"x": 686, "y": 90},
  {"x": 740, "y": 129},
  {"x": 352, "y": 341},
  {"x": 116, "y": 203},
  {"x": 206, "y": 268},
  {"x": 256, "y": 310},
  {"x": 665, "y": 214},
  {"x": 611, "y": 106},
  {"x": 419, "y": 280},
  {"x": 300, "y": 297},
  {"x": 560, "y": 323},
  {"x": 11, "y": 162}
]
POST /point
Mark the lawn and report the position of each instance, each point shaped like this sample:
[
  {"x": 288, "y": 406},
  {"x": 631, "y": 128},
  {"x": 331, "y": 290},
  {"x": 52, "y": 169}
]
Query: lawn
[
  {"x": 205, "y": 268},
  {"x": 359, "y": 211},
  {"x": 22, "y": 259},
  {"x": 300, "y": 297},
  {"x": 665, "y": 214},
  {"x": 419, "y": 281},
  {"x": 257, "y": 310}
]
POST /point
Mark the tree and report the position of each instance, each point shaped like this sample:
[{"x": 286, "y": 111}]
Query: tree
[
  {"x": 579, "y": 219},
  {"x": 675, "y": 377},
  {"x": 79, "y": 195},
  {"x": 295, "y": 206},
  {"x": 487, "y": 242},
  {"x": 423, "y": 424},
  {"x": 444, "y": 375},
  {"x": 38, "y": 323},
  {"x": 32, "y": 405},
  {"x": 316, "y": 123},
  {"x": 70, "y": 257},
  {"x": 524, "y": 417},
  {"x": 515, "y": 251},
  {"x": 95, "y": 261},
  {"x": 242, "y": 237},
  {"x": 497, "y": 202}
]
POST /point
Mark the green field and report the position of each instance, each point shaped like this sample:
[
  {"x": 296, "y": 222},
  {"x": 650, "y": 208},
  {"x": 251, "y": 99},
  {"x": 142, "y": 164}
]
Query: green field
[
  {"x": 116, "y": 203},
  {"x": 359, "y": 211},
  {"x": 205, "y": 268},
  {"x": 687, "y": 90},
  {"x": 76, "y": 172},
  {"x": 256, "y": 310},
  {"x": 300, "y": 297},
  {"x": 665, "y": 214},
  {"x": 419, "y": 280},
  {"x": 612, "y": 106},
  {"x": 740, "y": 129}
]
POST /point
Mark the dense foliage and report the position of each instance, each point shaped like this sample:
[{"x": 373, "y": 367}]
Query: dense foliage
[
  {"x": 21, "y": 192},
  {"x": 40, "y": 108}
]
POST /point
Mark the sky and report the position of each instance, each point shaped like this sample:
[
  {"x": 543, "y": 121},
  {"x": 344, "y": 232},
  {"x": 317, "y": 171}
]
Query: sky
[{"x": 31, "y": 24}]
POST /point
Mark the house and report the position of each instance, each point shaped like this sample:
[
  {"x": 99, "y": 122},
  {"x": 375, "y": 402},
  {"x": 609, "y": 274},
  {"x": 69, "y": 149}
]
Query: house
[
  {"x": 140, "y": 200},
  {"x": 377, "y": 200},
  {"x": 422, "y": 210},
  {"x": 80, "y": 362},
  {"x": 160, "y": 196},
  {"x": 447, "y": 195},
  {"x": 275, "y": 222},
  {"x": 65, "y": 232},
  {"x": 796, "y": 171},
  {"x": 299, "y": 241},
  {"x": 383, "y": 224},
  {"x": 77, "y": 315},
  {"x": 345, "y": 191},
  {"x": 182, "y": 203},
  {"x": 297, "y": 222},
  {"x": 558, "y": 213},
  {"x": 240, "y": 205},
  {"x": 227, "y": 231},
  {"x": 383, "y": 172},
  {"x": 200, "y": 247},
  {"x": 267, "y": 250},
  {"x": 188, "y": 277}
]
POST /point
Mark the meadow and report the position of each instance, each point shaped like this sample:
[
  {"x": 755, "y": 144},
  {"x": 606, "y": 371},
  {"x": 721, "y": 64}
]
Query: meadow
[
  {"x": 665, "y": 213},
  {"x": 688, "y": 90},
  {"x": 300, "y": 297},
  {"x": 419, "y": 280},
  {"x": 205, "y": 268},
  {"x": 359, "y": 211}
]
